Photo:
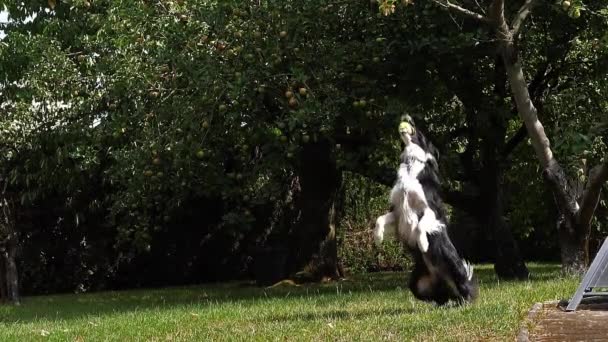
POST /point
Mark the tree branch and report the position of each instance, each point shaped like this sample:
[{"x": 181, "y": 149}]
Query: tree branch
[
  {"x": 467, "y": 202},
  {"x": 518, "y": 137},
  {"x": 521, "y": 16},
  {"x": 591, "y": 196},
  {"x": 461, "y": 10},
  {"x": 562, "y": 191}
]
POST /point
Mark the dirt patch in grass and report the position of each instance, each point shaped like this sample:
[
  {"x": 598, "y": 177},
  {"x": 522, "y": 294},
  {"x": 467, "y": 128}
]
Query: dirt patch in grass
[{"x": 550, "y": 322}]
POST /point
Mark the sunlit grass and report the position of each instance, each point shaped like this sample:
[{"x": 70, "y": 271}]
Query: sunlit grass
[{"x": 370, "y": 308}]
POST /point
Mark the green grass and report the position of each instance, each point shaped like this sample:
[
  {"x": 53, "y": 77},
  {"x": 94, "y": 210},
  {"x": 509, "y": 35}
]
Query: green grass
[{"x": 365, "y": 308}]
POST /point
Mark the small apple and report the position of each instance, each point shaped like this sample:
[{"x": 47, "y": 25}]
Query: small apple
[
  {"x": 148, "y": 173},
  {"x": 283, "y": 34},
  {"x": 302, "y": 91},
  {"x": 205, "y": 124},
  {"x": 305, "y": 138},
  {"x": 289, "y": 94},
  {"x": 156, "y": 161},
  {"x": 293, "y": 102},
  {"x": 200, "y": 154},
  {"x": 222, "y": 108},
  {"x": 565, "y": 5}
]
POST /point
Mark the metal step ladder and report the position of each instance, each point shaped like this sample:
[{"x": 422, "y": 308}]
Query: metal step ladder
[{"x": 595, "y": 282}]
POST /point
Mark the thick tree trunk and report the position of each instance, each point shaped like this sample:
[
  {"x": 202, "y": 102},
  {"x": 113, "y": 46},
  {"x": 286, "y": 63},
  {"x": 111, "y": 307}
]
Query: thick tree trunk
[
  {"x": 574, "y": 221},
  {"x": 314, "y": 251},
  {"x": 508, "y": 262},
  {"x": 574, "y": 247}
]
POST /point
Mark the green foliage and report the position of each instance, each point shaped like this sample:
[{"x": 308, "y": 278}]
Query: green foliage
[{"x": 363, "y": 202}]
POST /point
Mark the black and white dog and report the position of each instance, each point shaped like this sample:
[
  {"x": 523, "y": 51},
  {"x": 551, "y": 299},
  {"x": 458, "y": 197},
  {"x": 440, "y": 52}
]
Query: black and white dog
[{"x": 418, "y": 220}]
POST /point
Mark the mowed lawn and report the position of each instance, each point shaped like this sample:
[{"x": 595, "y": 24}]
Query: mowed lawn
[{"x": 363, "y": 308}]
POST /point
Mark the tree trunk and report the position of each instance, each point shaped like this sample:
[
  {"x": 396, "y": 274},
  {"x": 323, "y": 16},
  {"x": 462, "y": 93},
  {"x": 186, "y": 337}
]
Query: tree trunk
[
  {"x": 574, "y": 247},
  {"x": 9, "y": 276},
  {"x": 573, "y": 234},
  {"x": 12, "y": 277},
  {"x": 508, "y": 263},
  {"x": 314, "y": 251}
]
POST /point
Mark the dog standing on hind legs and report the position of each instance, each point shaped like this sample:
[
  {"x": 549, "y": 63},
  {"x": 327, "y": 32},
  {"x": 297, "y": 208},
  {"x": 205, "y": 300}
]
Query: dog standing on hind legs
[{"x": 419, "y": 221}]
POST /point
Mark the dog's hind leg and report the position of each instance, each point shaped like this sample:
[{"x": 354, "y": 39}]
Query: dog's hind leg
[
  {"x": 425, "y": 284},
  {"x": 457, "y": 273}
]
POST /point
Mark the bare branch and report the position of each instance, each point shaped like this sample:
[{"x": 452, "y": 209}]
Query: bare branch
[
  {"x": 591, "y": 196},
  {"x": 461, "y": 10},
  {"x": 521, "y": 16}
]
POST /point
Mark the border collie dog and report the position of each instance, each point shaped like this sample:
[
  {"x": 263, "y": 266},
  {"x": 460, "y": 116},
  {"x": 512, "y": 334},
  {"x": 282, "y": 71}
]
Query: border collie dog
[{"x": 418, "y": 220}]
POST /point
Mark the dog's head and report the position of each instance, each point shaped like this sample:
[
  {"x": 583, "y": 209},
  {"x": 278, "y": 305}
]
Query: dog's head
[{"x": 407, "y": 129}]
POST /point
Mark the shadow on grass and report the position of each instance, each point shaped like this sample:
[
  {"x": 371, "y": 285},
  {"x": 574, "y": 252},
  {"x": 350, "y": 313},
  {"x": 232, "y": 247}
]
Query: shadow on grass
[
  {"x": 337, "y": 315},
  {"x": 71, "y": 307},
  {"x": 538, "y": 272}
]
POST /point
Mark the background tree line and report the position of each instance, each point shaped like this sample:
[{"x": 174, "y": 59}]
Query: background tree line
[{"x": 149, "y": 143}]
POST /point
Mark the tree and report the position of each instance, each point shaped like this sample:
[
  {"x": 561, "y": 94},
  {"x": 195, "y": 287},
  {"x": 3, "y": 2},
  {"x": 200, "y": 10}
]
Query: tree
[
  {"x": 575, "y": 210},
  {"x": 237, "y": 103}
]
